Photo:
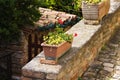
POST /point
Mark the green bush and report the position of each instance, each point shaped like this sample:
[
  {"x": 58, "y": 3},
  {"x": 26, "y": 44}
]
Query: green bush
[
  {"x": 47, "y": 3},
  {"x": 13, "y": 15},
  {"x": 69, "y": 6}
]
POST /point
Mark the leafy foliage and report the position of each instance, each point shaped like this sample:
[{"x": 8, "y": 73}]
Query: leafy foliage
[
  {"x": 13, "y": 15},
  {"x": 57, "y": 37},
  {"x": 70, "y": 6},
  {"x": 92, "y": 1},
  {"x": 47, "y": 3},
  {"x": 79, "y": 78}
]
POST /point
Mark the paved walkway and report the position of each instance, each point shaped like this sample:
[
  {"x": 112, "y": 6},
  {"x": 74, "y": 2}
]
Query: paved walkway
[{"x": 107, "y": 65}]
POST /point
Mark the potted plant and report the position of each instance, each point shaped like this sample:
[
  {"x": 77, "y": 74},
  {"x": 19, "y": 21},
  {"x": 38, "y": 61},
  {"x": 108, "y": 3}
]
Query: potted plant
[
  {"x": 56, "y": 43},
  {"x": 94, "y": 10}
]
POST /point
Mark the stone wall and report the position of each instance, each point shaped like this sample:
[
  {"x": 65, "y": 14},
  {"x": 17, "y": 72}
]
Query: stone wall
[
  {"x": 85, "y": 49},
  {"x": 19, "y": 54}
]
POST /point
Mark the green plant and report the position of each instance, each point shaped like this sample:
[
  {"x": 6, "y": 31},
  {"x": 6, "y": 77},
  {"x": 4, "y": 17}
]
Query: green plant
[
  {"x": 79, "y": 78},
  {"x": 57, "y": 37},
  {"x": 47, "y": 3},
  {"x": 69, "y": 6},
  {"x": 14, "y": 14},
  {"x": 92, "y": 1}
]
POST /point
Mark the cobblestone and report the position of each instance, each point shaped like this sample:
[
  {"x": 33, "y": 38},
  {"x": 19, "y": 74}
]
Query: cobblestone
[
  {"x": 117, "y": 67},
  {"x": 108, "y": 69},
  {"x": 107, "y": 64}
]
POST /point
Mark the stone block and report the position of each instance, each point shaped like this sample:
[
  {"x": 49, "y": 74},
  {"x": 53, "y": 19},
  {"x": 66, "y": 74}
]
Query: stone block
[
  {"x": 25, "y": 78},
  {"x": 27, "y": 73},
  {"x": 108, "y": 69},
  {"x": 108, "y": 65},
  {"x": 51, "y": 76},
  {"x": 74, "y": 76},
  {"x": 39, "y": 75},
  {"x": 117, "y": 67}
]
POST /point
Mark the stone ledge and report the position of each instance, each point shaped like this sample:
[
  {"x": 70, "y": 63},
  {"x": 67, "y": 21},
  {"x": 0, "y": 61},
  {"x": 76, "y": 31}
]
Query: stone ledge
[
  {"x": 85, "y": 32},
  {"x": 84, "y": 49}
]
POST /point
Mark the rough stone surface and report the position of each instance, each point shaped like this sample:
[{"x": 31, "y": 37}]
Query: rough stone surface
[
  {"x": 114, "y": 5},
  {"x": 84, "y": 49},
  {"x": 110, "y": 69},
  {"x": 17, "y": 49},
  {"x": 108, "y": 64}
]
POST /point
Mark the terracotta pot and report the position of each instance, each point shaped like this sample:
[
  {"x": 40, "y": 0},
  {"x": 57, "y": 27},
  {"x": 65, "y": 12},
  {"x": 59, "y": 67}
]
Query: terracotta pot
[
  {"x": 95, "y": 11},
  {"x": 53, "y": 52}
]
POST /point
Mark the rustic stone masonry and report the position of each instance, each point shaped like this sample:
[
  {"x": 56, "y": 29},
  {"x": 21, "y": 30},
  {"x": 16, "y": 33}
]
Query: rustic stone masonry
[
  {"x": 19, "y": 54},
  {"x": 84, "y": 49},
  {"x": 107, "y": 65}
]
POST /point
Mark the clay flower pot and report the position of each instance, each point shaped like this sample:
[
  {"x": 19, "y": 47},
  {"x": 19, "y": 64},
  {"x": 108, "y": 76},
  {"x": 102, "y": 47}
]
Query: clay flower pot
[
  {"x": 53, "y": 52},
  {"x": 55, "y": 44},
  {"x": 95, "y": 12}
]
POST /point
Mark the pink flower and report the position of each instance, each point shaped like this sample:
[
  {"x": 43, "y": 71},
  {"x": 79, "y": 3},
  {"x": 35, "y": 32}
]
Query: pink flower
[
  {"x": 75, "y": 34},
  {"x": 60, "y": 21}
]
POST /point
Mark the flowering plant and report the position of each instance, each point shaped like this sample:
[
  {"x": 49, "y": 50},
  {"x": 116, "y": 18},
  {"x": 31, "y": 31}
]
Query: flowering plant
[
  {"x": 57, "y": 37},
  {"x": 60, "y": 21}
]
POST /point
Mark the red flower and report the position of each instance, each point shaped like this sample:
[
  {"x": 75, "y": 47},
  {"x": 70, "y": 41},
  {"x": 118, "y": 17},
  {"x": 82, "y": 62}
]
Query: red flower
[
  {"x": 75, "y": 34},
  {"x": 60, "y": 21}
]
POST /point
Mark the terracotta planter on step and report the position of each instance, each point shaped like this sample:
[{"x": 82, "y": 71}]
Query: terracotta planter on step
[{"x": 53, "y": 52}]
